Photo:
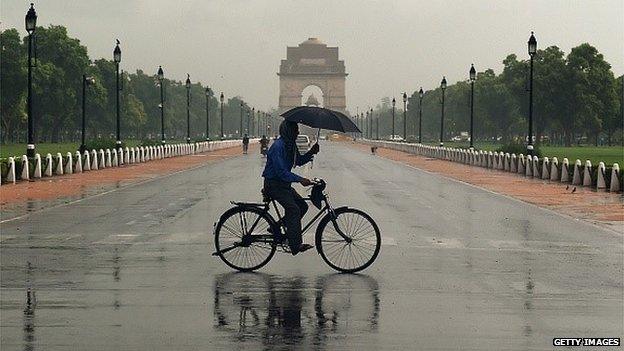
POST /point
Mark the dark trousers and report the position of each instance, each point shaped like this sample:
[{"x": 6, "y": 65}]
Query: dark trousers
[{"x": 294, "y": 205}]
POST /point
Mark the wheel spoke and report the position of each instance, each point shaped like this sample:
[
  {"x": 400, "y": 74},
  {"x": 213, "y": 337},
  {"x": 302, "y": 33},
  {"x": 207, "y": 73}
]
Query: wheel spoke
[{"x": 353, "y": 254}]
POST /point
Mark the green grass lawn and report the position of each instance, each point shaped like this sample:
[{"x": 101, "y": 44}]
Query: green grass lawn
[{"x": 606, "y": 154}]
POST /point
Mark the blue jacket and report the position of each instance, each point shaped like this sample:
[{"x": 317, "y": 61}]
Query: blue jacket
[{"x": 278, "y": 167}]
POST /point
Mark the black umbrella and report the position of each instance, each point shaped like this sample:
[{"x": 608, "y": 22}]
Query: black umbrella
[{"x": 322, "y": 118}]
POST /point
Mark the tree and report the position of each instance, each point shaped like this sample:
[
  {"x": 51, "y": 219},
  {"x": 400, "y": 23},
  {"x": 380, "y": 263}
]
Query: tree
[
  {"x": 13, "y": 79},
  {"x": 593, "y": 89}
]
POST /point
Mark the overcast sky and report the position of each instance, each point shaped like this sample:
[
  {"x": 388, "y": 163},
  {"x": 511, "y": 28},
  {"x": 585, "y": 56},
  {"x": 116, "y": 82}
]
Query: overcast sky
[{"x": 388, "y": 46}]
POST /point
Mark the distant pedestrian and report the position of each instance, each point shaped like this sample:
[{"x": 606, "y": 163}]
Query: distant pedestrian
[
  {"x": 264, "y": 145},
  {"x": 245, "y": 144}
]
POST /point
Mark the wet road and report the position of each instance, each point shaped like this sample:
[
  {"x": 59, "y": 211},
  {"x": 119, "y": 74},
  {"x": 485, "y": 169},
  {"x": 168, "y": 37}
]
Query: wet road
[{"x": 460, "y": 268}]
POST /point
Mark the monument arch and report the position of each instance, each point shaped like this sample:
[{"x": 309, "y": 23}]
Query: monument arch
[{"x": 312, "y": 63}]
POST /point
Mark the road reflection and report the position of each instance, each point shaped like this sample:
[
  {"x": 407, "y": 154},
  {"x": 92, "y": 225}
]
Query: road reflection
[{"x": 274, "y": 310}]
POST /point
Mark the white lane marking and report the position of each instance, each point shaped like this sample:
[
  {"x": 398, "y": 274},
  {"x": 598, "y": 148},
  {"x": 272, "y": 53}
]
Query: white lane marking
[{"x": 131, "y": 222}]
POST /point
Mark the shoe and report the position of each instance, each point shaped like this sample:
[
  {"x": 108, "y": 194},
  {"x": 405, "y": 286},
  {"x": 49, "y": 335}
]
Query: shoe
[{"x": 302, "y": 248}]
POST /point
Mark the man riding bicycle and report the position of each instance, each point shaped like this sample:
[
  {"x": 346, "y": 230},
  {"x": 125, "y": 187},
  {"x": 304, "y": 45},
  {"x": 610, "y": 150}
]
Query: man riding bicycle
[{"x": 282, "y": 156}]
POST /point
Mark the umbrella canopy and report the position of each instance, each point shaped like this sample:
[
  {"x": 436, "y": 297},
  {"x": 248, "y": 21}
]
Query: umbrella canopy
[{"x": 322, "y": 118}]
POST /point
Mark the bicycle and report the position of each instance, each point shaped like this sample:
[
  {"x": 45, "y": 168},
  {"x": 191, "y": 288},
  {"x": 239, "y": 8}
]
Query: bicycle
[{"x": 347, "y": 239}]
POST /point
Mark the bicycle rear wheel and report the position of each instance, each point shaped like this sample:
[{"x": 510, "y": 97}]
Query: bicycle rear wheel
[
  {"x": 361, "y": 246},
  {"x": 242, "y": 238}
]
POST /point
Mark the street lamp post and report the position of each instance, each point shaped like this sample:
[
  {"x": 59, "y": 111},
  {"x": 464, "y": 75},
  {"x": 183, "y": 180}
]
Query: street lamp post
[
  {"x": 371, "y": 122},
  {"x": 117, "y": 59},
  {"x": 368, "y": 124},
  {"x": 404, "y": 116},
  {"x": 31, "y": 25},
  {"x": 393, "y": 108},
  {"x": 222, "y": 98},
  {"x": 377, "y": 128},
  {"x": 161, "y": 79},
  {"x": 421, "y": 94},
  {"x": 85, "y": 81},
  {"x": 188, "y": 108},
  {"x": 248, "y": 118},
  {"x": 532, "y": 51},
  {"x": 473, "y": 77},
  {"x": 208, "y": 95},
  {"x": 241, "y": 119},
  {"x": 443, "y": 86},
  {"x": 253, "y": 120}
]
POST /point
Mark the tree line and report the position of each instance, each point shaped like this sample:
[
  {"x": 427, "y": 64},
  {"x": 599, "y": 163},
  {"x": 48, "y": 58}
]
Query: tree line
[
  {"x": 576, "y": 99},
  {"x": 57, "y": 92}
]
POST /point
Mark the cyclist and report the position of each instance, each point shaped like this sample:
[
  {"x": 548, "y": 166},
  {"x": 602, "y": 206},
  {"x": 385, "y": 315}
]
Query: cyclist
[
  {"x": 281, "y": 158},
  {"x": 245, "y": 143}
]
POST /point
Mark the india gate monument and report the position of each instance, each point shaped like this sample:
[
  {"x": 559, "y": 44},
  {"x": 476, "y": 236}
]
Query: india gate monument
[{"x": 312, "y": 63}]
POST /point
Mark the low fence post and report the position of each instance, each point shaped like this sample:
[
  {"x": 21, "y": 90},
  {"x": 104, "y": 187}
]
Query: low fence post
[
  {"x": 565, "y": 170},
  {"x": 600, "y": 181},
  {"x": 49, "y": 163},
  {"x": 59, "y": 165},
  {"x": 69, "y": 166},
  {"x": 102, "y": 161},
  {"x": 37, "y": 172},
  {"x": 545, "y": 166},
  {"x": 86, "y": 161},
  {"x": 587, "y": 176},
  {"x": 513, "y": 167},
  {"x": 11, "y": 175},
  {"x": 78, "y": 166},
  {"x": 25, "y": 171},
  {"x": 554, "y": 169},
  {"x": 535, "y": 165},
  {"x": 576, "y": 177},
  {"x": 109, "y": 161},
  {"x": 521, "y": 164},
  {"x": 615, "y": 178},
  {"x": 94, "y": 160}
]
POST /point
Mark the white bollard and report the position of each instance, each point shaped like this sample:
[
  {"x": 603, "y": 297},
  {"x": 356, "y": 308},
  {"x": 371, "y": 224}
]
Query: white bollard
[
  {"x": 126, "y": 155},
  {"x": 102, "y": 161},
  {"x": 615, "y": 180},
  {"x": 115, "y": 160},
  {"x": 37, "y": 172},
  {"x": 94, "y": 160},
  {"x": 86, "y": 161},
  {"x": 11, "y": 175},
  {"x": 25, "y": 171},
  {"x": 69, "y": 165},
  {"x": 109, "y": 161},
  {"x": 48, "y": 170},
  {"x": 132, "y": 155},
  {"x": 521, "y": 164},
  {"x": 600, "y": 180},
  {"x": 545, "y": 170},
  {"x": 78, "y": 166},
  {"x": 554, "y": 169},
  {"x": 59, "y": 165},
  {"x": 576, "y": 177},
  {"x": 120, "y": 156},
  {"x": 528, "y": 168},
  {"x": 587, "y": 176},
  {"x": 507, "y": 160},
  {"x": 513, "y": 165},
  {"x": 535, "y": 172},
  {"x": 565, "y": 171}
]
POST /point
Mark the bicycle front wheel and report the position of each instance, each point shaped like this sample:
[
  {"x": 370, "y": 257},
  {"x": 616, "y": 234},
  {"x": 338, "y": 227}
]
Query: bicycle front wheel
[
  {"x": 357, "y": 247},
  {"x": 243, "y": 240}
]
